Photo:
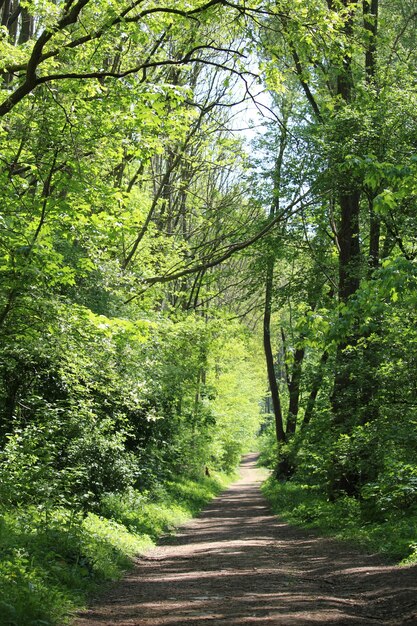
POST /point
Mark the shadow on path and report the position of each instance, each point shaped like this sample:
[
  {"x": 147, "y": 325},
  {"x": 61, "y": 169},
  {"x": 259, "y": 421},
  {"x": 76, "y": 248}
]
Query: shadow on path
[{"x": 237, "y": 564}]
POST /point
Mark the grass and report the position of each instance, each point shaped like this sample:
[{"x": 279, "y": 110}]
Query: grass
[
  {"x": 395, "y": 535},
  {"x": 51, "y": 559}
]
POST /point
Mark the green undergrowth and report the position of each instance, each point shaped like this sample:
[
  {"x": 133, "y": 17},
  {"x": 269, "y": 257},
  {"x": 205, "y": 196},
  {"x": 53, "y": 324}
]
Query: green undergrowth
[
  {"x": 394, "y": 535},
  {"x": 52, "y": 558}
]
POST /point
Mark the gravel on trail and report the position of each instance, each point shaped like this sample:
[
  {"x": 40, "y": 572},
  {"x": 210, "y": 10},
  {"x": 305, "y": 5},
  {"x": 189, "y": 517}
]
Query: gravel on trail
[{"x": 237, "y": 564}]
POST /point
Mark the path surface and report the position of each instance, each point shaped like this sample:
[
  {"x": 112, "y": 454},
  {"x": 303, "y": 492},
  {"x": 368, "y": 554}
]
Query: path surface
[{"x": 239, "y": 565}]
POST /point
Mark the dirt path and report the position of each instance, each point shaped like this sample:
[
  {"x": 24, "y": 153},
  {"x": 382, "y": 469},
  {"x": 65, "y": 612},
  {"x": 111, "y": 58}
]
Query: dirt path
[{"x": 237, "y": 565}]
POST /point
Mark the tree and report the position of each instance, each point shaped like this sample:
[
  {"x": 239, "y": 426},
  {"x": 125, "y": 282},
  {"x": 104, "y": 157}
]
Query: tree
[
  {"x": 115, "y": 176},
  {"x": 343, "y": 65}
]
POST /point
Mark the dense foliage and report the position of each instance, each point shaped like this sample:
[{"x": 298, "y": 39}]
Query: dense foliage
[
  {"x": 123, "y": 377},
  {"x": 144, "y": 249},
  {"x": 343, "y": 285},
  {"x": 116, "y": 177}
]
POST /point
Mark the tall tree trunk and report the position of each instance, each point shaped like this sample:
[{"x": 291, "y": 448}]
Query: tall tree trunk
[
  {"x": 345, "y": 393},
  {"x": 315, "y": 388},
  {"x": 344, "y": 396},
  {"x": 294, "y": 391},
  {"x": 269, "y": 357},
  {"x": 26, "y": 26},
  {"x": 371, "y": 358},
  {"x": 374, "y": 238},
  {"x": 293, "y": 383},
  {"x": 370, "y": 22}
]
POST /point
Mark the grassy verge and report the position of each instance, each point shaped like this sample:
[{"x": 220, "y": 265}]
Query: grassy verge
[
  {"x": 51, "y": 559},
  {"x": 303, "y": 505}
]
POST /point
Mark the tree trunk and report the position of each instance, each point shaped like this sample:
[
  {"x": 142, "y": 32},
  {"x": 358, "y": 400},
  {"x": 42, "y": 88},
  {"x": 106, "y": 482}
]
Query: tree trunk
[
  {"x": 270, "y": 366},
  {"x": 374, "y": 238},
  {"x": 315, "y": 388},
  {"x": 344, "y": 396},
  {"x": 269, "y": 357},
  {"x": 345, "y": 393},
  {"x": 294, "y": 391}
]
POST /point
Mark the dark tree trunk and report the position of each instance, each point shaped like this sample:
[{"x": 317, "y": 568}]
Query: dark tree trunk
[
  {"x": 345, "y": 393},
  {"x": 348, "y": 237},
  {"x": 371, "y": 358},
  {"x": 294, "y": 391},
  {"x": 370, "y": 21},
  {"x": 269, "y": 357},
  {"x": 374, "y": 238},
  {"x": 6, "y": 12},
  {"x": 315, "y": 388},
  {"x": 344, "y": 396}
]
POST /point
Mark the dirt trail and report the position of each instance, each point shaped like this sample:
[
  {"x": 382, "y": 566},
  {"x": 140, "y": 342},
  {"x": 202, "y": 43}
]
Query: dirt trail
[{"x": 237, "y": 564}]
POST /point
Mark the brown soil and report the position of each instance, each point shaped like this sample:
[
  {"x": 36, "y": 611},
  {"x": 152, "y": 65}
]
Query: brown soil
[{"x": 237, "y": 564}]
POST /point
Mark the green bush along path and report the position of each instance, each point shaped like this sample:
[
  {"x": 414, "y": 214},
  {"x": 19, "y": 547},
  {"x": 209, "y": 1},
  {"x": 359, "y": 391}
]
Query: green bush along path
[{"x": 208, "y": 228}]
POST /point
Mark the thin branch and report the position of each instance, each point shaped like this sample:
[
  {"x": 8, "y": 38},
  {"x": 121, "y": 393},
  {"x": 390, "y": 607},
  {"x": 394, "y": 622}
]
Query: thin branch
[{"x": 231, "y": 250}]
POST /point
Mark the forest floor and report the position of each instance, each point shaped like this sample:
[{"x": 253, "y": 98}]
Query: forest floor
[{"x": 237, "y": 564}]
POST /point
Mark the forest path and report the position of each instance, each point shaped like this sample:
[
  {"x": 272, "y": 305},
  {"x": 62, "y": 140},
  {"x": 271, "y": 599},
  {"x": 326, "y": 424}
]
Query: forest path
[{"x": 237, "y": 564}]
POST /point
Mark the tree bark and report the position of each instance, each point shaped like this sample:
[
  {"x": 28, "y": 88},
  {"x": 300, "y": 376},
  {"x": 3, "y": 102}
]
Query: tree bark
[
  {"x": 294, "y": 391},
  {"x": 274, "y": 210},
  {"x": 269, "y": 357},
  {"x": 315, "y": 388},
  {"x": 344, "y": 395}
]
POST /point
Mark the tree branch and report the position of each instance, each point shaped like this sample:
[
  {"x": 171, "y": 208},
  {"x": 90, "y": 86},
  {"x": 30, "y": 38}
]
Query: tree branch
[{"x": 230, "y": 251}]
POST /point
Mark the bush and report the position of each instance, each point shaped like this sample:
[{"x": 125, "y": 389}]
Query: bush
[
  {"x": 395, "y": 491},
  {"x": 51, "y": 558},
  {"x": 307, "y": 506},
  {"x": 65, "y": 460}
]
